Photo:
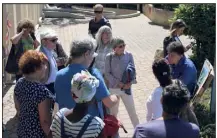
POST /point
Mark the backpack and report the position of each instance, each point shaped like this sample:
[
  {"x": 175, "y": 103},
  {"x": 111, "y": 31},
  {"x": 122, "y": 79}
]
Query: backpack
[{"x": 13, "y": 58}]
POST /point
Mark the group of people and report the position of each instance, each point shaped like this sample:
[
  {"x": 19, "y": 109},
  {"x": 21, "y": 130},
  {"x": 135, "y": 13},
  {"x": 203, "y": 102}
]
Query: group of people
[{"x": 60, "y": 96}]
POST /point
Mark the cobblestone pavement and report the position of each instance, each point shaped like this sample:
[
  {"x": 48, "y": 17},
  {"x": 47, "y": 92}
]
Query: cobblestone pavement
[{"x": 142, "y": 40}]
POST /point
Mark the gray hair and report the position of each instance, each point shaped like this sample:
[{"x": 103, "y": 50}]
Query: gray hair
[
  {"x": 117, "y": 41},
  {"x": 79, "y": 47},
  {"x": 97, "y": 6},
  {"x": 103, "y": 29}
]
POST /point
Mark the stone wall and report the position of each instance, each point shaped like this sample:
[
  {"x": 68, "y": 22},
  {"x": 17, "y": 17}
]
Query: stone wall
[{"x": 157, "y": 16}]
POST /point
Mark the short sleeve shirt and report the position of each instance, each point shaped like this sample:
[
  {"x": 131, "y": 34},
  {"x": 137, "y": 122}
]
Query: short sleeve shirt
[
  {"x": 72, "y": 129},
  {"x": 62, "y": 88},
  {"x": 30, "y": 95}
]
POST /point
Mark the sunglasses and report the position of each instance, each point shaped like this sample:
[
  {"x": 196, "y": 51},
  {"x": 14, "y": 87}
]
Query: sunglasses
[
  {"x": 99, "y": 12},
  {"x": 53, "y": 40},
  {"x": 121, "y": 46}
]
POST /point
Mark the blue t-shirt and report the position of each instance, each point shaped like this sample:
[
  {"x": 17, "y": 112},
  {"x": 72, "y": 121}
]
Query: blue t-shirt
[
  {"x": 171, "y": 128},
  {"x": 62, "y": 88}
]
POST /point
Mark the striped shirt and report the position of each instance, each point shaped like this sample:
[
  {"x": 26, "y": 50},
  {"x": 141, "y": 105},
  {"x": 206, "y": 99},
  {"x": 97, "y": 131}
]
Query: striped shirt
[{"x": 72, "y": 129}]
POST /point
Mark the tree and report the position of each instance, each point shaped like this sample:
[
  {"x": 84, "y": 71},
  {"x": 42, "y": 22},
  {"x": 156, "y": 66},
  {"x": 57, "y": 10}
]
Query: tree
[{"x": 200, "y": 19}]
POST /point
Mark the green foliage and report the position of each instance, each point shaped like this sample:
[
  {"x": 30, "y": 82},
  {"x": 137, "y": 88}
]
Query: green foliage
[
  {"x": 200, "y": 19},
  {"x": 208, "y": 131},
  {"x": 206, "y": 121},
  {"x": 169, "y": 7},
  {"x": 128, "y": 6}
]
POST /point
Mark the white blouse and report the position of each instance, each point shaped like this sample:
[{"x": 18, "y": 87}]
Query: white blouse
[{"x": 154, "y": 106}]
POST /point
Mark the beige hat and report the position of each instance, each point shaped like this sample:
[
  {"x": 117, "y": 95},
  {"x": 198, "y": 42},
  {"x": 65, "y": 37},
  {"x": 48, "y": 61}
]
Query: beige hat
[{"x": 47, "y": 33}]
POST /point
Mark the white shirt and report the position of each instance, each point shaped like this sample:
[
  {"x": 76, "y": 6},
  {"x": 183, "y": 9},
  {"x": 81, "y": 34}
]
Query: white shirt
[
  {"x": 53, "y": 66},
  {"x": 154, "y": 106},
  {"x": 72, "y": 129}
]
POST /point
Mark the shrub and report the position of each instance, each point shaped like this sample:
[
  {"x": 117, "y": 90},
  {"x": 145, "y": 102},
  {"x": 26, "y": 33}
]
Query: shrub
[
  {"x": 205, "y": 118},
  {"x": 200, "y": 19},
  {"x": 169, "y": 7},
  {"x": 206, "y": 121},
  {"x": 128, "y": 6}
]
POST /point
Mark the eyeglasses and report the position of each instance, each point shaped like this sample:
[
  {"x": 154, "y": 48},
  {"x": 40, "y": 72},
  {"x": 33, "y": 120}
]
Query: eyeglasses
[
  {"x": 99, "y": 12},
  {"x": 121, "y": 46}
]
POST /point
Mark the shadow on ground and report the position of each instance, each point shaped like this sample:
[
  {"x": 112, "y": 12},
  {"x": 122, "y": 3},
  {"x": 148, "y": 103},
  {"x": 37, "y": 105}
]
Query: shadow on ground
[
  {"x": 164, "y": 27},
  {"x": 11, "y": 128},
  {"x": 6, "y": 89}
]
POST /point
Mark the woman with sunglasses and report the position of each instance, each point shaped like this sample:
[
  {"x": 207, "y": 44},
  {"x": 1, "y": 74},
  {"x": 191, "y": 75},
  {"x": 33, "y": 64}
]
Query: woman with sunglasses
[
  {"x": 98, "y": 21},
  {"x": 116, "y": 64},
  {"x": 176, "y": 30},
  {"x": 25, "y": 38},
  {"x": 48, "y": 44}
]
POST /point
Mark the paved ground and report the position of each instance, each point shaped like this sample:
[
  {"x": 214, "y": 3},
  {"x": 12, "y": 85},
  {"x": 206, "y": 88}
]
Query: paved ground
[{"x": 142, "y": 40}]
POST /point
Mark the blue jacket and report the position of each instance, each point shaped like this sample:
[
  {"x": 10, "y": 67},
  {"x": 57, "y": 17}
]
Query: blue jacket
[
  {"x": 186, "y": 72},
  {"x": 129, "y": 76}
]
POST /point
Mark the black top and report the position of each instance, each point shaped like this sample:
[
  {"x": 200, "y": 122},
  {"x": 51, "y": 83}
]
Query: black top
[
  {"x": 166, "y": 42},
  {"x": 94, "y": 26}
]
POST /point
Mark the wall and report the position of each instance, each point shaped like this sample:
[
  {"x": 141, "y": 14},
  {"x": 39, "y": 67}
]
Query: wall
[
  {"x": 16, "y": 13},
  {"x": 157, "y": 16}
]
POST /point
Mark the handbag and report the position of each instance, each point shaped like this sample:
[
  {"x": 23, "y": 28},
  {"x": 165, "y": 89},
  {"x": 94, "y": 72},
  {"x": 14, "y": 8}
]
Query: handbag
[
  {"x": 112, "y": 124},
  {"x": 61, "y": 59},
  {"x": 13, "y": 58},
  {"x": 81, "y": 132}
]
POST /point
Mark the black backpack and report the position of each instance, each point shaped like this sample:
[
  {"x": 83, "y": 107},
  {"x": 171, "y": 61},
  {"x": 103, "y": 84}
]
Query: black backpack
[{"x": 13, "y": 58}]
